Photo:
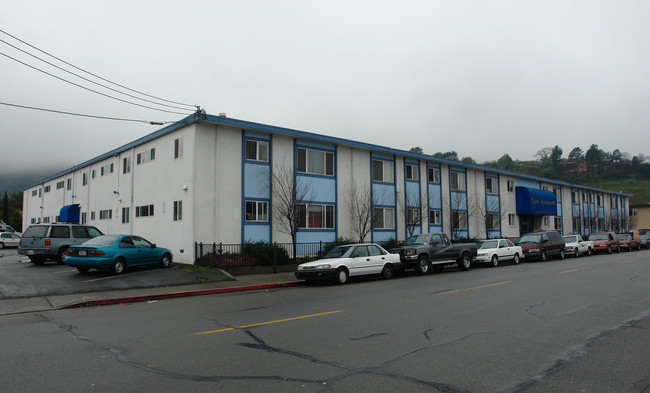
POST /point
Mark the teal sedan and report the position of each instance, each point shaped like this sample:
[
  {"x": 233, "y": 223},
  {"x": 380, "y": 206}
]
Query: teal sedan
[{"x": 116, "y": 253}]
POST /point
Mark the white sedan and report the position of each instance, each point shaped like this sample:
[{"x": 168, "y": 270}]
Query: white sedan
[
  {"x": 495, "y": 250},
  {"x": 8, "y": 239},
  {"x": 350, "y": 260}
]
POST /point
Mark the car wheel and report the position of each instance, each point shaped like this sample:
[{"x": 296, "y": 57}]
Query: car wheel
[
  {"x": 165, "y": 261},
  {"x": 589, "y": 251},
  {"x": 576, "y": 253},
  {"x": 618, "y": 249},
  {"x": 61, "y": 255},
  {"x": 83, "y": 269},
  {"x": 424, "y": 266},
  {"x": 609, "y": 249},
  {"x": 542, "y": 257},
  {"x": 39, "y": 260},
  {"x": 515, "y": 259},
  {"x": 638, "y": 248},
  {"x": 2, "y": 245},
  {"x": 495, "y": 261},
  {"x": 465, "y": 262},
  {"x": 341, "y": 275},
  {"x": 561, "y": 254},
  {"x": 118, "y": 266},
  {"x": 387, "y": 272}
]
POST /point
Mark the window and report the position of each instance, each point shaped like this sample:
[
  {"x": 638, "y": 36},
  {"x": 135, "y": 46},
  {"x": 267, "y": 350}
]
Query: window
[
  {"x": 145, "y": 156},
  {"x": 125, "y": 215},
  {"x": 382, "y": 171},
  {"x": 257, "y": 150},
  {"x": 412, "y": 215},
  {"x": 433, "y": 175},
  {"x": 84, "y": 218},
  {"x": 40, "y": 192},
  {"x": 60, "y": 185},
  {"x": 412, "y": 172},
  {"x": 178, "y": 148},
  {"x": 84, "y": 179},
  {"x": 435, "y": 217},
  {"x": 511, "y": 185},
  {"x": 492, "y": 185},
  {"x": 59, "y": 232},
  {"x": 105, "y": 214},
  {"x": 144, "y": 211},
  {"x": 69, "y": 185},
  {"x": 257, "y": 211},
  {"x": 93, "y": 173},
  {"x": 46, "y": 189},
  {"x": 46, "y": 220},
  {"x": 575, "y": 197},
  {"x": 512, "y": 220},
  {"x": 591, "y": 198},
  {"x": 576, "y": 224},
  {"x": 558, "y": 223},
  {"x": 33, "y": 221},
  {"x": 599, "y": 199},
  {"x": 315, "y": 162},
  {"x": 459, "y": 219},
  {"x": 492, "y": 221},
  {"x": 126, "y": 165},
  {"x": 547, "y": 221},
  {"x": 457, "y": 181},
  {"x": 384, "y": 218},
  {"x": 178, "y": 210},
  {"x": 558, "y": 194},
  {"x": 315, "y": 216},
  {"x": 92, "y": 216},
  {"x": 34, "y": 193},
  {"x": 106, "y": 169}
]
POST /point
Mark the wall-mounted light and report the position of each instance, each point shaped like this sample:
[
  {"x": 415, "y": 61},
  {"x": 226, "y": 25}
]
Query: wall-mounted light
[
  {"x": 185, "y": 187},
  {"x": 116, "y": 192}
]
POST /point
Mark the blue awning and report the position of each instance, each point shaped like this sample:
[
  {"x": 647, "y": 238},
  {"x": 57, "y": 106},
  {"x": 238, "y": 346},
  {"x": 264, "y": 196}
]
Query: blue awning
[
  {"x": 536, "y": 201},
  {"x": 69, "y": 213}
]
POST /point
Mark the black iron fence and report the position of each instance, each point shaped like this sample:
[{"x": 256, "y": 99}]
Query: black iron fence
[{"x": 256, "y": 255}]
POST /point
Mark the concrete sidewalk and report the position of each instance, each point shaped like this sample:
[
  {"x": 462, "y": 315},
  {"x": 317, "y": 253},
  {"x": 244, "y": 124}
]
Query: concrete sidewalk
[{"x": 55, "y": 302}]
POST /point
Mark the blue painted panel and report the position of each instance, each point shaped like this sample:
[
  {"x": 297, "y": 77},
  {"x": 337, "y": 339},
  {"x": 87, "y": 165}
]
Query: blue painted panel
[
  {"x": 435, "y": 228},
  {"x": 382, "y": 236},
  {"x": 256, "y": 180},
  {"x": 601, "y": 212},
  {"x": 492, "y": 203},
  {"x": 575, "y": 210},
  {"x": 494, "y": 234},
  {"x": 458, "y": 201},
  {"x": 257, "y": 232},
  {"x": 384, "y": 194},
  {"x": 315, "y": 236},
  {"x": 527, "y": 183},
  {"x": 435, "y": 196},
  {"x": 323, "y": 189},
  {"x": 413, "y": 193},
  {"x": 559, "y": 210}
]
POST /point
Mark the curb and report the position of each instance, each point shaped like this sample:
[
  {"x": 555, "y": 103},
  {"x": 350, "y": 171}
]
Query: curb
[{"x": 173, "y": 295}]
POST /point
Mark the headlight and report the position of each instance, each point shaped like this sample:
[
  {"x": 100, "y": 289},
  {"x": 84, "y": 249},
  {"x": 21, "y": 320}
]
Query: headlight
[
  {"x": 534, "y": 250},
  {"x": 410, "y": 251},
  {"x": 480, "y": 254},
  {"x": 324, "y": 266}
]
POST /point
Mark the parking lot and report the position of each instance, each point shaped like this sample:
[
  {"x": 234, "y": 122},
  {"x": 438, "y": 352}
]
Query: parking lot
[{"x": 20, "y": 278}]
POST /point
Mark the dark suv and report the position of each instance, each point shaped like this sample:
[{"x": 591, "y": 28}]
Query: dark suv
[
  {"x": 541, "y": 245},
  {"x": 42, "y": 241}
]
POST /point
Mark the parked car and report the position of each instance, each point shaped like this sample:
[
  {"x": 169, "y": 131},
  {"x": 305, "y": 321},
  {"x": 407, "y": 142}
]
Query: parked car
[
  {"x": 42, "y": 241},
  {"x": 643, "y": 239},
  {"x": 117, "y": 253},
  {"x": 8, "y": 239},
  {"x": 628, "y": 242},
  {"x": 574, "y": 245},
  {"x": 432, "y": 251},
  {"x": 605, "y": 241},
  {"x": 350, "y": 260},
  {"x": 495, "y": 250},
  {"x": 8, "y": 228},
  {"x": 542, "y": 245}
]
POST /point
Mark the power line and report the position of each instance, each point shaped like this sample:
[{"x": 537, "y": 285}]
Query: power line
[
  {"x": 89, "y": 89},
  {"x": 90, "y": 73},
  {"x": 84, "y": 115},
  {"x": 91, "y": 81}
]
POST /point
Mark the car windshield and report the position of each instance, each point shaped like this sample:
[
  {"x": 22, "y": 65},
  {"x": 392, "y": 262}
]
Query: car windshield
[
  {"x": 489, "y": 244},
  {"x": 419, "y": 239},
  {"x": 35, "y": 231},
  {"x": 601, "y": 236},
  {"x": 527, "y": 239},
  {"x": 105, "y": 240},
  {"x": 570, "y": 239},
  {"x": 624, "y": 237},
  {"x": 338, "y": 252}
]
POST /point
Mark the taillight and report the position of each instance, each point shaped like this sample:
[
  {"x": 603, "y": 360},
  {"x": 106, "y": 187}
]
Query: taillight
[
  {"x": 69, "y": 252},
  {"x": 96, "y": 252},
  {"x": 48, "y": 242}
]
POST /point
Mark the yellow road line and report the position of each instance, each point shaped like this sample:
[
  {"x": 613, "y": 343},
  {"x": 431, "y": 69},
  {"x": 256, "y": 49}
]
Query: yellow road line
[
  {"x": 481, "y": 286},
  {"x": 574, "y": 270},
  {"x": 268, "y": 323},
  {"x": 628, "y": 261}
]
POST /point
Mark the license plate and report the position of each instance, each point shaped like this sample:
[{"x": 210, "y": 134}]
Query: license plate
[
  {"x": 82, "y": 253},
  {"x": 30, "y": 252}
]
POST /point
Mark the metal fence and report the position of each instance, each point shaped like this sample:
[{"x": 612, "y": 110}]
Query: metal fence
[{"x": 250, "y": 255}]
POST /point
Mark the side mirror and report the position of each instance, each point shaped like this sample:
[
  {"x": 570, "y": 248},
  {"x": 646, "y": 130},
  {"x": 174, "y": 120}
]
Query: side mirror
[{"x": 153, "y": 245}]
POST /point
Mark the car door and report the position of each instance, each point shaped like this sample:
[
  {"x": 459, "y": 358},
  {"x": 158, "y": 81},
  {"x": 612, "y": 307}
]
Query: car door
[
  {"x": 360, "y": 261},
  {"x": 377, "y": 259},
  {"x": 146, "y": 252},
  {"x": 128, "y": 250},
  {"x": 504, "y": 251}
]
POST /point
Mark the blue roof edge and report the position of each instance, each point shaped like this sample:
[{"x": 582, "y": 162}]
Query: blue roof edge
[{"x": 253, "y": 126}]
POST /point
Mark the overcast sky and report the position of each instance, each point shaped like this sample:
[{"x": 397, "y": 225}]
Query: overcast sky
[{"x": 483, "y": 78}]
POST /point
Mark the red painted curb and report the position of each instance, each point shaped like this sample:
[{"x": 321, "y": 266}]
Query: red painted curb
[{"x": 172, "y": 295}]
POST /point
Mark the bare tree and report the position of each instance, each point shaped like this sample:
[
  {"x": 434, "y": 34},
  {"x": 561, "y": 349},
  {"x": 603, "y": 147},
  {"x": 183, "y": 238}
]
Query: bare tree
[
  {"x": 360, "y": 202},
  {"x": 491, "y": 214},
  {"x": 462, "y": 206},
  {"x": 414, "y": 211},
  {"x": 288, "y": 197}
]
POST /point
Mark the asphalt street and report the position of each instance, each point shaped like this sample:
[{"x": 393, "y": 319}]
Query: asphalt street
[{"x": 578, "y": 325}]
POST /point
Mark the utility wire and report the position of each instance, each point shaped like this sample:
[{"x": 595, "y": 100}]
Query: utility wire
[
  {"x": 90, "y": 73},
  {"x": 86, "y": 88},
  {"x": 84, "y": 115},
  {"x": 91, "y": 81}
]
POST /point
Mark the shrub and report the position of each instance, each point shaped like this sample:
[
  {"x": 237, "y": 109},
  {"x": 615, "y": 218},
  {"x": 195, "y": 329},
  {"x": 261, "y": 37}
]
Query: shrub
[{"x": 264, "y": 253}]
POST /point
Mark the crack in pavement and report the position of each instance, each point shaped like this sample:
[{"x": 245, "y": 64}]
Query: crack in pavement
[{"x": 529, "y": 309}]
